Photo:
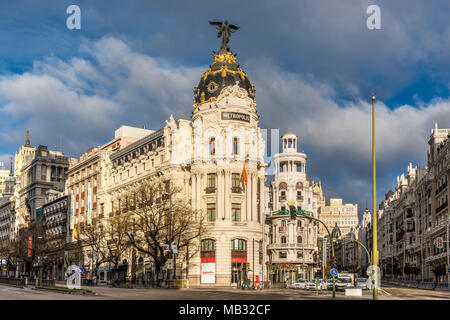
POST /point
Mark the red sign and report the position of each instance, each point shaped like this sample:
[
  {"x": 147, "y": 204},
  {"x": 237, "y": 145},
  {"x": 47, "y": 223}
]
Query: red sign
[
  {"x": 238, "y": 260},
  {"x": 206, "y": 260}
]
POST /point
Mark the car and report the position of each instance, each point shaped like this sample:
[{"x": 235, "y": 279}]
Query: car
[
  {"x": 343, "y": 283},
  {"x": 362, "y": 283},
  {"x": 300, "y": 284},
  {"x": 311, "y": 285},
  {"x": 329, "y": 284}
]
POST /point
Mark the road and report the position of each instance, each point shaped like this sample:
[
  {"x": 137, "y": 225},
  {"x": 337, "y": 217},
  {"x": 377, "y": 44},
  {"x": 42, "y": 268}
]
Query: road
[{"x": 105, "y": 293}]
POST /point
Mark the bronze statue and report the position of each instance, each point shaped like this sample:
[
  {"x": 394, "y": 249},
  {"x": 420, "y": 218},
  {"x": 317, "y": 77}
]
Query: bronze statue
[{"x": 225, "y": 31}]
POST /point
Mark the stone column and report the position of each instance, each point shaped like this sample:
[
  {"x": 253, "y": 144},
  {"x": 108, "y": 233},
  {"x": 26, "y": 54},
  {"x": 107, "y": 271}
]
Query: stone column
[
  {"x": 261, "y": 199},
  {"x": 219, "y": 193},
  {"x": 249, "y": 198},
  {"x": 254, "y": 204},
  {"x": 193, "y": 191},
  {"x": 227, "y": 194}
]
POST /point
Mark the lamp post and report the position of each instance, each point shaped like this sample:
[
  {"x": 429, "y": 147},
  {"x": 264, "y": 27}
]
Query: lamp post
[
  {"x": 40, "y": 266},
  {"x": 374, "y": 202}
]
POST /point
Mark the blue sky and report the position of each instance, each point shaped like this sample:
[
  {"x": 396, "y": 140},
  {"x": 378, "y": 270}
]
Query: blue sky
[{"x": 314, "y": 65}]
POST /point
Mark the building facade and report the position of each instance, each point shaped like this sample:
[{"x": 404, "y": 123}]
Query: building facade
[
  {"x": 415, "y": 217},
  {"x": 292, "y": 238},
  {"x": 345, "y": 216},
  {"x": 46, "y": 170}
]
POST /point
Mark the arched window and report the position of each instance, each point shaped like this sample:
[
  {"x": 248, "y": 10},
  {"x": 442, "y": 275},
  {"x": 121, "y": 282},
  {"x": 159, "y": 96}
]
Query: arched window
[
  {"x": 239, "y": 244},
  {"x": 208, "y": 245},
  {"x": 235, "y": 145},
  {"x": 212, "y": 146},
  {"x": 299, "y": 239},
  {"x": 283, "y": 185}
]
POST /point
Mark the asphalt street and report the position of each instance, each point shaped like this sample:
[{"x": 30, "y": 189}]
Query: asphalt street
[{"x": 106, "y": 293}]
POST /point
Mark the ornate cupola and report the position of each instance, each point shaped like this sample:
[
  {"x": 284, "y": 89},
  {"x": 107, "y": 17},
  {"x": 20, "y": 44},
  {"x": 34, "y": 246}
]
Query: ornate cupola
[{"x": 223, "y": 72}]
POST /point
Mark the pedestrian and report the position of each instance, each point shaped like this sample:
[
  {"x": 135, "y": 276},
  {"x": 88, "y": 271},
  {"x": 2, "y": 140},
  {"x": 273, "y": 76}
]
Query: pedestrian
[{"x": 257, "y": 283}]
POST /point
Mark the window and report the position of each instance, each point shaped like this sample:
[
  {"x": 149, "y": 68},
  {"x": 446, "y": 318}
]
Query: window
[
  {"x": 299, "y": 167},
  {"x": 235, "y": 180},
  {"x": 239, "y": 244},
  {"x": 283, "y": 239},
  {"x": 212, "y": 146},
  {"x": 299, "y": 254},
  {"x": 299, "y": 223},
  {"x": 299, "y": 239},
  {"x": 211, "y": 183},
  {"x": 44, "y": 173},
  {"x": 208, "y": 245},
  {"x": 283, "y": 223},
  {"x": 235, "y": 145},
  {"x": 211, "y": 211},
  {"x": 283, "y": 255},
  {"x": 236, "y": 212}
]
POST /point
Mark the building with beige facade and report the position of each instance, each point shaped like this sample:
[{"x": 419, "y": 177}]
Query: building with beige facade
[
  {"x": 415, "y": 216},
  {"x": 345, "y": 216},
  {"x": 4, "y": 174},
  {"x": 292, "y": 238},
  {"x": 25, "y": 151},
  {"x": 205, "y": 157}
]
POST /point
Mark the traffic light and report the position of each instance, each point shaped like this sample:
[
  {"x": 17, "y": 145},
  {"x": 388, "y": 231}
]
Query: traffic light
[
  {"x": 439, "y": 243},
  {"x": 334, "y": 262},
  {"x": 293, "y": 212}
]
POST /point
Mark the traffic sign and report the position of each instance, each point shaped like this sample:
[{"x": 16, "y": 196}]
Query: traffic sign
[
  {"x": 169, "y": 263},
  {"x": 166, "y": 247},
  {"x": 334, "y": 272},
  {"x": 448, "y": 269},
  {"x": 80, "y": 270},
  {"x": 174, "y": 248}
]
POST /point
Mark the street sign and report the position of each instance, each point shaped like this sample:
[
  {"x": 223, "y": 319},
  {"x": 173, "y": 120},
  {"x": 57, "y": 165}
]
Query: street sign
[
  {"x": 166, "y": 247},
  {"x": 174, "y": 248},
  {"x": 169, "y": 263},
  {"x": 334, "y": 272}
]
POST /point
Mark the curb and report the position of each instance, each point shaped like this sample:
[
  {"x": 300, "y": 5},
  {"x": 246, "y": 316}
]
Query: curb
[{"x": 82, "y": 292}]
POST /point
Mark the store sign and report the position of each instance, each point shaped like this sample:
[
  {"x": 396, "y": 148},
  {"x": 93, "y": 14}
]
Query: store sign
[
  {"x": 208, "y": 274},
  {"x": 238, "y": 260},
  {"x": 235, "y": 116},
  {"x": 286, "y": 212}
]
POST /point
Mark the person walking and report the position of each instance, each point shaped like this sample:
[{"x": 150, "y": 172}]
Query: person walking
[{"x": 258, "y": 286}]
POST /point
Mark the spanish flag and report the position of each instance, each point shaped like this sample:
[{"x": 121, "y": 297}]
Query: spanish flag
[
  {"x": 75, "y": 233},
  {"x": 244, "y": 175}
]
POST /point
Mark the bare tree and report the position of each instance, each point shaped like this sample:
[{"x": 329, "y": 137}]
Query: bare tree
[
  {"x": 160, "y": 214},
  {"x": 117, "y": 241},
  {"x": 95, "y": 237}
]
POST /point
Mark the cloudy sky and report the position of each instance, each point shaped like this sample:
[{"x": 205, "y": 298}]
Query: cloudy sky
[{"x": 314, "y": 64}]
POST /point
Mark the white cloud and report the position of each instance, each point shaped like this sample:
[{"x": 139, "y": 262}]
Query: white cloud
[{"x": 85, "y": 99}]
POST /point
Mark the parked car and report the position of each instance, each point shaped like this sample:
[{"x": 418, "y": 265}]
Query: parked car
[
  {"x": 341, "y": 284},
  {"x": 362, "y": 283},
  {"x": 300, "y": 284},
  {"x": 311, "y": 285},
  {"x": 330, "y": 284}
]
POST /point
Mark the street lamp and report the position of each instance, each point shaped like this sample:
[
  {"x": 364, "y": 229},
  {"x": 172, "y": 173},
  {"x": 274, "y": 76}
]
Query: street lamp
[
  {"x": 40, "y": 267},
  {"x": 374, "y": 203}
]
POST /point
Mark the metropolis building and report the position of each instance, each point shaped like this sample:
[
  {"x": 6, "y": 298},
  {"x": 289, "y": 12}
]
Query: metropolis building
[{"x": 205, "y": 157}]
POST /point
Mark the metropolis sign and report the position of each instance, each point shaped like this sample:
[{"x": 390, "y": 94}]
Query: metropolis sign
[{"x": 235, "y": 116}]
